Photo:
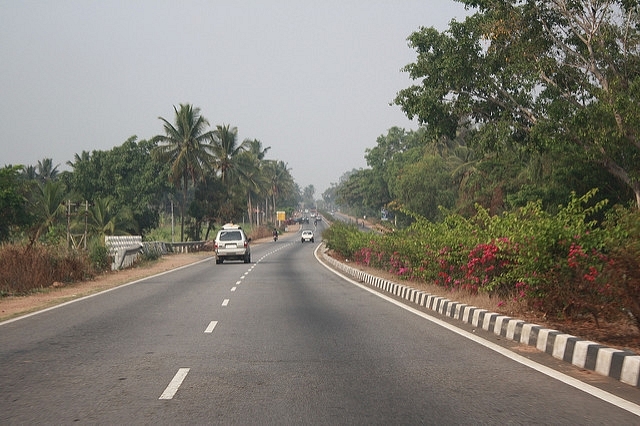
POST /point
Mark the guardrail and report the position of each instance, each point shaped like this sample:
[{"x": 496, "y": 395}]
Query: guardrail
[
  {"x": 125, "y": 250},
  {"x": 187, "y": 247}
]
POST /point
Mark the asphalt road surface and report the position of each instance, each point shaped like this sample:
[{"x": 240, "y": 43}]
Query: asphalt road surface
[{"x": 282, "y": 340}]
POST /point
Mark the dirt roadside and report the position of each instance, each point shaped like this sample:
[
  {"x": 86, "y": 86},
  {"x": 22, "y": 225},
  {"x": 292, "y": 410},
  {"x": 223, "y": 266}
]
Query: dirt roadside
[{"x": 14, "y": 306}]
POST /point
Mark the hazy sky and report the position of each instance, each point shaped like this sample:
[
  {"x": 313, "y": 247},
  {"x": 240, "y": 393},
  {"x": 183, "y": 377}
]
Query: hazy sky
[{"x": 312, "y": 80}]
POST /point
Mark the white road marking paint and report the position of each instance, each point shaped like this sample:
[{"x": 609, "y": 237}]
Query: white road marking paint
[
  {"x": 211, "y": 326},
  {"x": 238, "y": 282},
  {"x": 591, "y": 390},
  {"x": 233, "y": 288},
  {"x": 225, "y": 302},
  {"x": 175, "y": 383}
]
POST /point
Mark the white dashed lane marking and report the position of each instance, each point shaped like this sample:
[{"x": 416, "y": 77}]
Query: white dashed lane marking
[
  {"x": 211, "y": 326},
  {"x": 225, "y": 302},
  {"x": 175, "y": 383}
]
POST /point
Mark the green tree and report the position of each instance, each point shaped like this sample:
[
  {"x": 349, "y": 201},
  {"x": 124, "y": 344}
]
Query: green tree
[
  {"x": 281, "y": 184},
  {"x": 210, "y": 205},
  {"x": 127, "y": 173},
  {"x": 47, "y": 207},
  {"x": 539, "y": 75},
  {"x": 186, "y": 148},
  {"x": 255, "y": 147},
  {"x": 13, "y": 206},
  {"x": 226, "y": 150},
  {"x": 424, "y": 186},
  {"x": 251, "y": 180},
  {"x": 308, "y": 196},
  {"x": 105, "y": 219},
  {"x": 46, "y": 171}
]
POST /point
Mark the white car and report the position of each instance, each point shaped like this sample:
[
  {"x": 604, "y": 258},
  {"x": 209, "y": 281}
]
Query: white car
[
  {"x": 232, "y": 243},
  {"x": 307, "y": 235}
]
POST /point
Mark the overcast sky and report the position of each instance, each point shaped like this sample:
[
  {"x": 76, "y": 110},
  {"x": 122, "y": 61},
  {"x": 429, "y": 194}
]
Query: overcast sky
[{"x": 312, "y": 80}]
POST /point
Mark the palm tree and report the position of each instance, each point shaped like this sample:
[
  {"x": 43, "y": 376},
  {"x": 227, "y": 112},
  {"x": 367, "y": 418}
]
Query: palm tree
[
  {"x": 186, "y": 147},
  {"x": 85, "y": 156},
  {"x": 47, "y": 206},
  {"x": 226, "y": 150},
  {"x": 255, "y": 147},
  {"x": 251, "y": 178},
  {"x": 45, "y": 170},
  {"x": 105, "y": 220},
  {"x": 280, "y": 180}
]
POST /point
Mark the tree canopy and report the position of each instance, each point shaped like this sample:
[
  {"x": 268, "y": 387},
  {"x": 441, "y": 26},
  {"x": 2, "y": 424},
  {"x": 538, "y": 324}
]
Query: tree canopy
[{"x": 537, "y": 75}]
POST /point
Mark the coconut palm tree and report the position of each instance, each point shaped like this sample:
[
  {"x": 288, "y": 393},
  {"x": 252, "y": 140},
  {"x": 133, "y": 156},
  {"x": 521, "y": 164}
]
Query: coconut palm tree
[
  {"x": 78, "y": 159},
  {"x": 47, "y": 206},
  {"x": 251, "y": 179},
  {"x": 104, "y": 219},
  {"x": 45, "y": 170},
  {"x": 186, "y": 147},
  {"x": 226, "y": 150},
  {"x": 280, "y": 181},
  {"x": 255, "y": 147}
]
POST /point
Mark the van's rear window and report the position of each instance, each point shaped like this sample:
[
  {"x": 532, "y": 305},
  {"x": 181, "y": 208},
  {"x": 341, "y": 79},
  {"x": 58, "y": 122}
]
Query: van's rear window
[{"x": 230, "y": 236}]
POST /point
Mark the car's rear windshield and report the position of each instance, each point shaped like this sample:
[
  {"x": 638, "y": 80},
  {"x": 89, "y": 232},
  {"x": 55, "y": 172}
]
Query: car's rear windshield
[{"x": 230, "y": 235}]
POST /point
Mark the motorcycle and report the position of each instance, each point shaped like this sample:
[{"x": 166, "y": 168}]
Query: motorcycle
[{"x": 275, "y": 237}]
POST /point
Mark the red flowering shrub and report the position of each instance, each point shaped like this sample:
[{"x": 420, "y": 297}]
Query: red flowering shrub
[{"x": 562, "y": 265}]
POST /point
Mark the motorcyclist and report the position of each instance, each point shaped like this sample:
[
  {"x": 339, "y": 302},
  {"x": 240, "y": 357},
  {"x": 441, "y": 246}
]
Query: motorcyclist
[{"x": 275, "y": 234}]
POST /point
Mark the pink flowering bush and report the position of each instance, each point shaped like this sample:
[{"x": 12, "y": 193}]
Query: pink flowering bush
[{"x": 563, "y": 265}]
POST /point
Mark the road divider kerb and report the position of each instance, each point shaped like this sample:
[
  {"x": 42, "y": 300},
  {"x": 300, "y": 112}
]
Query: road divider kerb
[
  {"x": 334, "y": 266},
  {"x": 615, "y": 363}
]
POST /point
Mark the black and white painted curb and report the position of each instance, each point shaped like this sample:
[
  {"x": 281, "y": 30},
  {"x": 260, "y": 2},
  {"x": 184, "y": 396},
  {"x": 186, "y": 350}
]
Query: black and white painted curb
[{"x": 617, "y": 364}]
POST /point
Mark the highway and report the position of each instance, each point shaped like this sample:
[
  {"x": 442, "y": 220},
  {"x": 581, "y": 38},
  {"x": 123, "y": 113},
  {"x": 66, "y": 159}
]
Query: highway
[{"x": 282, "y": 340}]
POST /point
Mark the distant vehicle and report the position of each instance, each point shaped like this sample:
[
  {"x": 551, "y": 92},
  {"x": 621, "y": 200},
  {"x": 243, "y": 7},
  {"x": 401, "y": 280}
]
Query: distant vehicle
[
  {"x": 232, "y": 243},
  {"x": 307, "y": 235}
]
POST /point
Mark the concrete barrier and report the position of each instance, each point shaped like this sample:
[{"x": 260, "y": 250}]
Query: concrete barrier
[{"x": 124, "y": 250}]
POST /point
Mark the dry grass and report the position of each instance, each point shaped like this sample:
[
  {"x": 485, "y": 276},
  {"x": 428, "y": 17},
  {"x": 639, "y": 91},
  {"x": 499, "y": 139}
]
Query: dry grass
[{"x": 24, "y": 269}]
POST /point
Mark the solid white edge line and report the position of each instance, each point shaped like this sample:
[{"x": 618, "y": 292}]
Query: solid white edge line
[
  {"x": 211, "y": 326},
  {"x": 175, "y": 383},
  {"x": 102, "y": 292},
  {"x": 592, "y": 390}
]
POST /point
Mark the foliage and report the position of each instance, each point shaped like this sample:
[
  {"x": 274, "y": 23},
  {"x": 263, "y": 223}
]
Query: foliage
[
  {"x": 47, "y": 206},
  {"x": 99, "y": 255},
  {"x": 345, "y": 239},
  {"x": 186, "y": 148},
  {"x": 13, "y": 209},
  {"x": 128, "y": 174},
  {"x": 104, "y": 219},
  {"x": 565, "y": 265},
  {"x": 535, "y": 75}
]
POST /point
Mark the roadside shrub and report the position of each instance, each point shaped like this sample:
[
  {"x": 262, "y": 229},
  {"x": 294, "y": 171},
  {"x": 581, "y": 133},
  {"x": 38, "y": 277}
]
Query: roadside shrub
[
  {"x": 344, "y": 238},
  {"x": 564, "y": 265},
  {"x": 99, "y": 257},
  {"x": 623, "y": 245},
  {"x": 28, "y": 268}
]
